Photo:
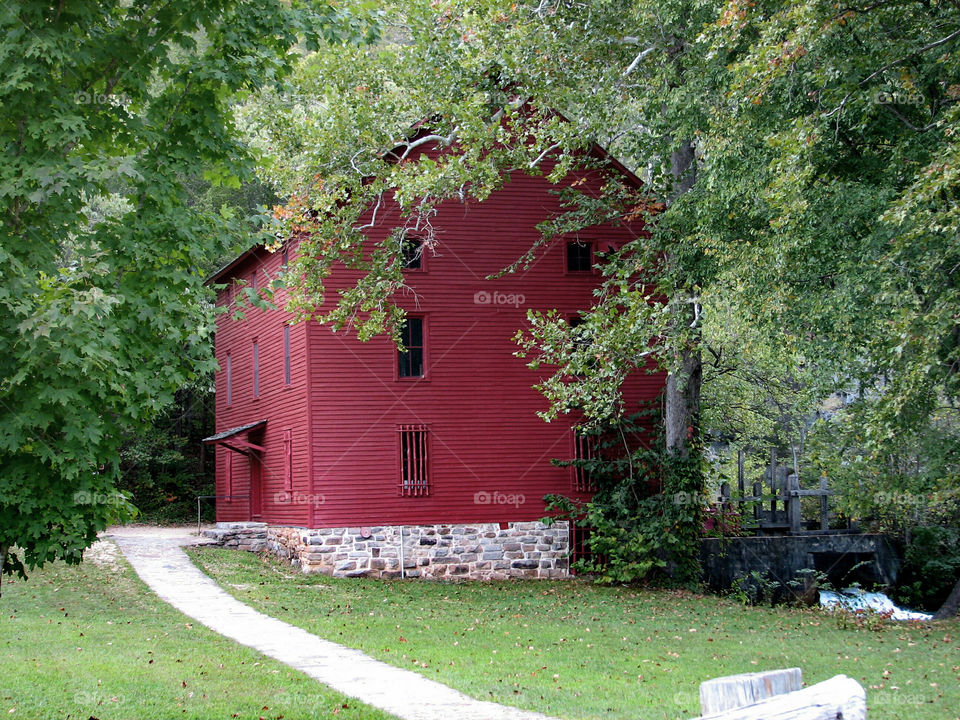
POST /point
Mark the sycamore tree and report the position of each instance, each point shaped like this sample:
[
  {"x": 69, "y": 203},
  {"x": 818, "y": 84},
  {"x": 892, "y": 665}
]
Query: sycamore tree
[{"x": 107, "y": 106}]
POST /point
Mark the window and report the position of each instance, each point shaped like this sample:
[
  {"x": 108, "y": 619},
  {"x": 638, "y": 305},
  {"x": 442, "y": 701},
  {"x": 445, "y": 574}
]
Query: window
[
  {"x": 584, "y": 448},
  {"x": 285, "y": 258},
  {"x": 229, "y": 380},
  {"x": 286, "y": 354},
  {"x": 253, "y": 280},
  {"x": 229, "y": 474},
  {"x": 410, "y": 359},
  {"x": 412, "y": 254},
  {"x": 579, "y": 256},
  {"x": 288, "y": 460},
  {"x": 256, "y": 369},
  {"x": 413, "y": 458}
]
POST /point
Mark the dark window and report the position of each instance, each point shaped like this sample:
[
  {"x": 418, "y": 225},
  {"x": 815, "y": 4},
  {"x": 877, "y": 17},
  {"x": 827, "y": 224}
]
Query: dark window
[
  {"x": 411, "y": 357},
  {"x": 412, "y": 254},
  {"x": 253, "y": 280},
  {"x": 414, "y": 465},
  {"x": 229, "y": 380},
  {"x": 285, "y": 258},
  {"x": 256, "y": 369},
  {"x": 579, "y": 257},
  {"x": 286, "y": 354},
  {"x": 580, "y": 339},
  {"x": 584, "y": 448}
]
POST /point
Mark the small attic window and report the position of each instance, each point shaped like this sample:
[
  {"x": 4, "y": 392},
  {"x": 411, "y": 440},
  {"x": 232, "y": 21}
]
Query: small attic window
[
  {"x": 412, "y": 254},
  {"x": 579, "y": 256}
]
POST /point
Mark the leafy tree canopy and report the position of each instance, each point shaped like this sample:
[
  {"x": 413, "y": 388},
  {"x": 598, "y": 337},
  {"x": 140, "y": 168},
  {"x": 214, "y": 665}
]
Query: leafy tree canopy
[{"x": 108, "y": 105}]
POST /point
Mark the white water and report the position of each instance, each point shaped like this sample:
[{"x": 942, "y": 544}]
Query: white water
[{"x": 855, "y": 599}]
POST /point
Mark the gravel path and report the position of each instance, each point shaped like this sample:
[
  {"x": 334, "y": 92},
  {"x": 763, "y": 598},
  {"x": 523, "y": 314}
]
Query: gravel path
[{"x": 158, "y": 558}]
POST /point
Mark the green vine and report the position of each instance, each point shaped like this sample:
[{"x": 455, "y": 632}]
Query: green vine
[{"x": 645, "y": 517}]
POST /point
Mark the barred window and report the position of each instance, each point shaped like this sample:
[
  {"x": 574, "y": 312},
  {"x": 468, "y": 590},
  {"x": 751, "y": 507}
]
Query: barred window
[
  {"x": 414, "y": 474},
  {"x": 584, "y": 448}
]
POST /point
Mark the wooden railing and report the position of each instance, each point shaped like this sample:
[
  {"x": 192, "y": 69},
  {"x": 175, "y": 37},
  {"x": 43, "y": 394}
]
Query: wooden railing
[{"x": 780, "y": 509}]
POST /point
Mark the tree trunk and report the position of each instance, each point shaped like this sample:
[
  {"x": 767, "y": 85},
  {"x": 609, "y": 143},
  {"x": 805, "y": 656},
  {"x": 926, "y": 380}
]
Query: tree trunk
[
  {"x": 682, "y": 403},
  {"x": 950, "y": 606},
  {"x": 682, "y": 411}
]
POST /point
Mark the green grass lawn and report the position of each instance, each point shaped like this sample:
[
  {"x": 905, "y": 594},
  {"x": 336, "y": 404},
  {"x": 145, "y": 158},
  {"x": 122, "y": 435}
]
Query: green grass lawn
[
  {"x": 575, "y": 650},
  {"x": 92, "y": 641}
]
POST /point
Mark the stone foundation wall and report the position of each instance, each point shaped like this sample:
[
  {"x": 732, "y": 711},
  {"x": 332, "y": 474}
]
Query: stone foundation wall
[{"x": 480, "y": 551}]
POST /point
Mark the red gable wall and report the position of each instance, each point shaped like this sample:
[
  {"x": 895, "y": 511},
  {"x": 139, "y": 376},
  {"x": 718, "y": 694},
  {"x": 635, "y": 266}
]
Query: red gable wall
[{"x": 489, "y": 453}]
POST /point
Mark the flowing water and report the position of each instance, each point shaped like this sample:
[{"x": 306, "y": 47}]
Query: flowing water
[{"x": 855, "y": 599}]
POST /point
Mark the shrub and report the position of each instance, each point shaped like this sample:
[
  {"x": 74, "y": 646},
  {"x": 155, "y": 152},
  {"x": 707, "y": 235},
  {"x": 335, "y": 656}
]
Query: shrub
[{"x": 931, "y": 567}]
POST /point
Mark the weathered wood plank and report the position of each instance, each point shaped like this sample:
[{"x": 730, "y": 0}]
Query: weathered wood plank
[
  {"x": 839, "y": 698},
  {"x": 735, "y": 691},
  {"x": 793, "y": 503}
]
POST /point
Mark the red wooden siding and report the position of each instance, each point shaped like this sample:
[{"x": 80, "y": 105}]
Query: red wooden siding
[
  {"x": 286, "y": 495},
  {"x": 485, "y": 454}
]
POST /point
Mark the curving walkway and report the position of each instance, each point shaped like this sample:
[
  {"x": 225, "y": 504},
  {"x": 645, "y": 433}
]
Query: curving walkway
[{"x": 157, "y": 556}]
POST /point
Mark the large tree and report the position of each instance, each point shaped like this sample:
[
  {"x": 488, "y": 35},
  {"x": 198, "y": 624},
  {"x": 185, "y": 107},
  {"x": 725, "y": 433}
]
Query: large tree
[{"x": 107, "y": 106}]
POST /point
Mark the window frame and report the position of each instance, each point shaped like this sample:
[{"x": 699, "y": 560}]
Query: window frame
[
  {"x": 255, "y": 360},
  {"x": 287, "y": 361},
  {"x": 584, "y": 447},
  {"x": 228, "y": 369},
  {"x": 422, "y": 268},
  {"x": 288, "y": 459},
  {"x": 413, "y": 436},
  {"x": 591, "y": 246},
  {"x": 424, "y": 340},
  {"x": 229, "y": 473}
]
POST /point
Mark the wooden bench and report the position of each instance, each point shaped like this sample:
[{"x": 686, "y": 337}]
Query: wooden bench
[{"x": 778, "y": 695}]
